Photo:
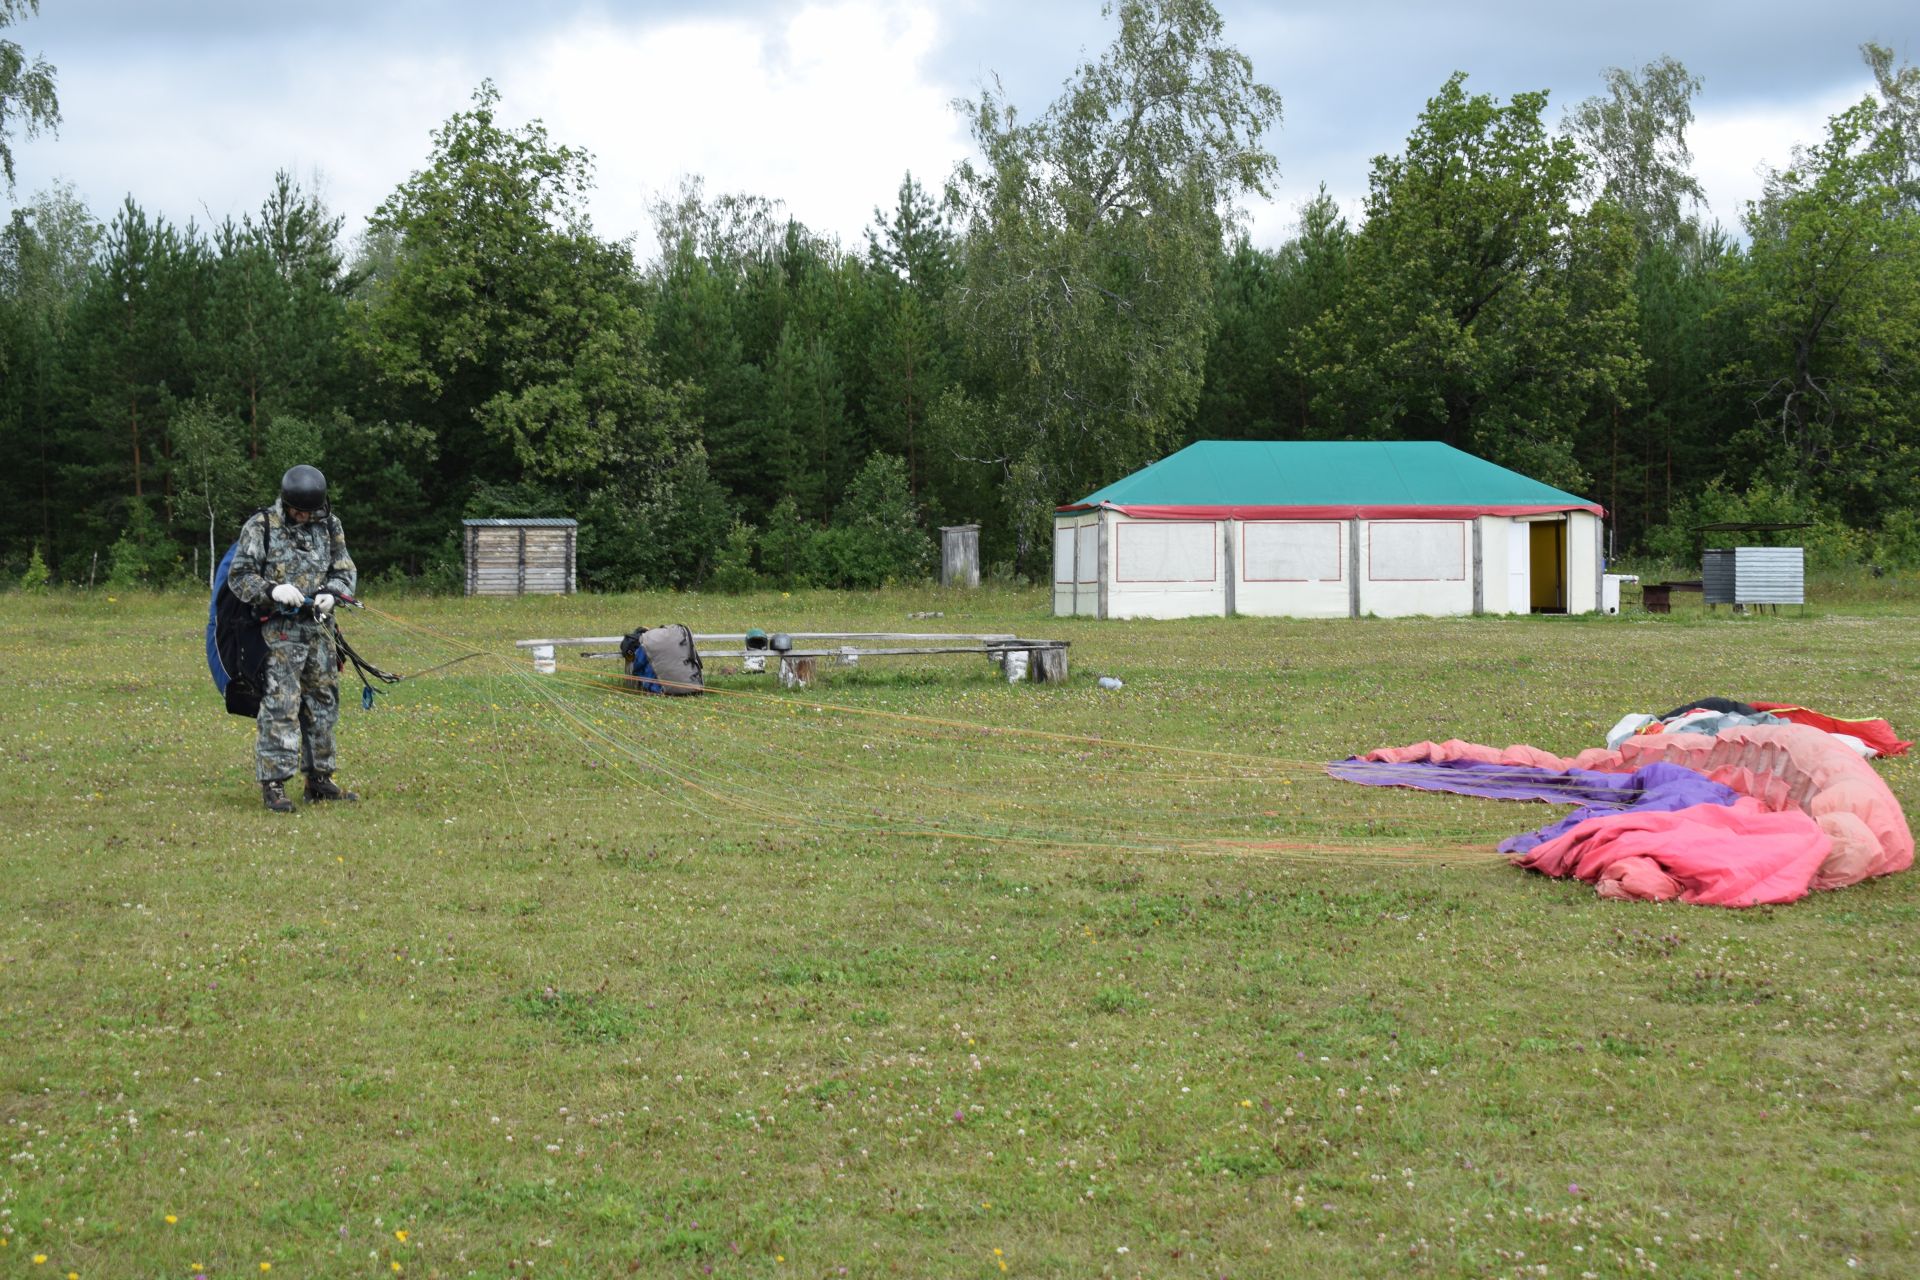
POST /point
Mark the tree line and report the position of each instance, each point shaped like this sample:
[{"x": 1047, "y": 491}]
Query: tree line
[{"x": 760, "y": 403}]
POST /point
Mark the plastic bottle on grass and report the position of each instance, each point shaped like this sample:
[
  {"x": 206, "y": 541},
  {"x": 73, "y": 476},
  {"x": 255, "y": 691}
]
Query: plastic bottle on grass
[{"x": 1110, "y": 682}]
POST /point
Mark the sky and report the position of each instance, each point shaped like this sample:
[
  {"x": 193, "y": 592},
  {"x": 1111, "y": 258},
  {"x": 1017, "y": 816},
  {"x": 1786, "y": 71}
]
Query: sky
[{"x": 190, "y": 106}]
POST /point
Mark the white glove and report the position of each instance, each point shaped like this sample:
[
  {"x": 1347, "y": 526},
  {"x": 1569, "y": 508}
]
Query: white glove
[
  {"x": 289, "y": 595},
  {"x": 323, "y": 604}
]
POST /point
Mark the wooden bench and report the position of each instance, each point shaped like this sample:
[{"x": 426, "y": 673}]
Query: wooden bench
[
  {"x": 1658, "y": 596},
  {"x": 1021, "y": 658}
]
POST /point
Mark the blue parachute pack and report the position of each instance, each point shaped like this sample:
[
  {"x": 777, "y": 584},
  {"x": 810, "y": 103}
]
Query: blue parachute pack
[{"x": 236, "y": 651}]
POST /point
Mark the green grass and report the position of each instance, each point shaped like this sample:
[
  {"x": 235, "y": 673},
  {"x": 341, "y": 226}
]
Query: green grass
[{"x": 1196, "y": 1011}]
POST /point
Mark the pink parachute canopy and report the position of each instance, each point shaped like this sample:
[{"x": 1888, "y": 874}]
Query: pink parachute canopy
[{"x": 1814, "y": 816}]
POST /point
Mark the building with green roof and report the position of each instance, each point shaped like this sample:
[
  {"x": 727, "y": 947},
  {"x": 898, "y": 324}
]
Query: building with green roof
[{"x": 1325, "y": 529}]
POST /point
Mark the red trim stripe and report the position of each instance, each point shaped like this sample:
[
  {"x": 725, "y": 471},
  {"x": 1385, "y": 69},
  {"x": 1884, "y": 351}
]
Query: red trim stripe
[{"x": 1345, "y": 512}]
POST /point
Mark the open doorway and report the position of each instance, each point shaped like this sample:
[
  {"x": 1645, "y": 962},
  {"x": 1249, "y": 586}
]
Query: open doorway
[{"x": 1547, "y": 566}]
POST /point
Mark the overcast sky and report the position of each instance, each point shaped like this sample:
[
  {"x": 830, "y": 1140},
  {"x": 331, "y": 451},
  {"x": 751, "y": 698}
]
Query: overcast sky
[{"x": 191, "y": 105}]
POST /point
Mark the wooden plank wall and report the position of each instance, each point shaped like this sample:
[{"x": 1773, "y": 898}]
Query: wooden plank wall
[
  {"x": 513, "y": 561},
  {"x": 960, "y": 555}
]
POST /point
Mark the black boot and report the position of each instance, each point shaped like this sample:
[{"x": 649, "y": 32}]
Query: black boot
[
  {"x": 274, "y": 794},
  {"x": 321, "y": 786}
]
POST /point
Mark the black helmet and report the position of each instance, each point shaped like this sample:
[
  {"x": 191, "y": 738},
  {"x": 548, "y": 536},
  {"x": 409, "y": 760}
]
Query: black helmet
[{"x": 303, "y": 488}]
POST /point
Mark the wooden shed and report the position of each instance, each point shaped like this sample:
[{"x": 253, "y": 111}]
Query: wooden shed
[
  {"x": 960, "y": 555},
  {"x": 517, "y": 557}
]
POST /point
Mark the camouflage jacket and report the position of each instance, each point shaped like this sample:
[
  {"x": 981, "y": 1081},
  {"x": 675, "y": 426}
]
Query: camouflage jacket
[{"x": 273, "y": 549}]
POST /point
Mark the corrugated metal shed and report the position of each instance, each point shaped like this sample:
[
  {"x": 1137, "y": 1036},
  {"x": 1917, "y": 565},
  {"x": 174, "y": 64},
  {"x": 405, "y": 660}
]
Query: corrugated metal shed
[
  {"x": 1753, "y": 575},
  {"x": 520, "y": 556}
]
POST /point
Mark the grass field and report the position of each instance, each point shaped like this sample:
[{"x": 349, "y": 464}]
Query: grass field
[{"x": 594, "y": 984}]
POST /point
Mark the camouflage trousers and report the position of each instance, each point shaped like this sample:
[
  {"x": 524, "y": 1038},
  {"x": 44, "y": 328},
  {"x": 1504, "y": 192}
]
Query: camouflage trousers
[{"x": 301, "y": 703}]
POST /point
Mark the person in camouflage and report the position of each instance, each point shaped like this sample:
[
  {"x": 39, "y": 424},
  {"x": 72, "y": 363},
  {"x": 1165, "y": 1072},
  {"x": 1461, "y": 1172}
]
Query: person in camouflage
[{"x": 292, "y": 565}]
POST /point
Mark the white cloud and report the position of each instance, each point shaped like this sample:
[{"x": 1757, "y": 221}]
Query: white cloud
[
  {"x": 822, "y": 105},
  {"x": 824, "y": 110},
  {"x": 190, "y": 139},
  {"x": 1734, "y": 147}
]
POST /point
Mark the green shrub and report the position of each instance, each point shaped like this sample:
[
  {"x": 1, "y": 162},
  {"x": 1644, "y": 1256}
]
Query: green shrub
[
  {"x": 876, "y": 536},
  {"x": 1828, "y": 541},
  {"x": 36, "y": 579},
  {"x": 786, "y": 546},
  {"x": 733, "y": 568},
  {"x": 143, "y": 556},
  {"x": 1897, "y": 545},
  {"x": 444, "y": 572},
  {"x": 661, "y": 530}
]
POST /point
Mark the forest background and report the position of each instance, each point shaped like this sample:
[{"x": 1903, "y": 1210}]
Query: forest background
[{"x": 761, "y": 404}]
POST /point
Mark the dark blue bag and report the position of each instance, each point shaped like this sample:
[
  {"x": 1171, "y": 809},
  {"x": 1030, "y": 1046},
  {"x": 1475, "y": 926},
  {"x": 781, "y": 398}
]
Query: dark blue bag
[{"x": 236, "y": 651}]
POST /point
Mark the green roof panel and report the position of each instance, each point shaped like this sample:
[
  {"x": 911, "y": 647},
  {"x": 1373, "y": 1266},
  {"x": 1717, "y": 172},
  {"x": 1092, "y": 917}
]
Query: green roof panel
[{"x": 1324, "y": 474}]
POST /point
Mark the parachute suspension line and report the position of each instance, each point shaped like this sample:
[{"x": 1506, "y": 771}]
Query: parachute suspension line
[
  {"x": 926, "y": 783},
  {"x": 361, "y": 667},
  {"x": 779, "y": 806},
  {"x": 780, "y": 809},
  {"x": 364, "y": 669},
  {"x": 963, "y": 726},
  {"x": 764, "y": 814},
  {"x": 991, "y": 816}
]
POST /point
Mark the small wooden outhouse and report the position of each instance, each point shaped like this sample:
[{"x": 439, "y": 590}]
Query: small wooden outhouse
[
  {"x": 518, "y": 557},
  {"x": 960, "y": 555}
]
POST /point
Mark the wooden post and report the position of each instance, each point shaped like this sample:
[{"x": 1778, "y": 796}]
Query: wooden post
[
  {"x": 1353, "y": 567},
  {"x": 1049, "y": 666},
  {"x": 1479, "y": 569},
  {"x": 1232, "y": 562},
  {"x": 1105, "y": 559}
]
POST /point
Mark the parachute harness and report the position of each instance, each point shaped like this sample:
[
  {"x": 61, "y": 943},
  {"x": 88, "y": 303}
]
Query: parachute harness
[{"x": 363, "y": 668}]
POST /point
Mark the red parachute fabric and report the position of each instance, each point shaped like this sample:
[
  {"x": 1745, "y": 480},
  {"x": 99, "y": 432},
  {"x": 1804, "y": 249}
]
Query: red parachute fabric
[{"x": 1877, "y": 734}]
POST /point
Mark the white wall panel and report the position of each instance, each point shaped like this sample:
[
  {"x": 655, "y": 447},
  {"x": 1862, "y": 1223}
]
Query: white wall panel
[
  {"x": 1063, "y": 545},
  {"x": 1410, "y": 546},
  {"x": 1167, "y": 552},
  {"x": 1417, "y": 551},
  {"x": 1292, "y": 551}
]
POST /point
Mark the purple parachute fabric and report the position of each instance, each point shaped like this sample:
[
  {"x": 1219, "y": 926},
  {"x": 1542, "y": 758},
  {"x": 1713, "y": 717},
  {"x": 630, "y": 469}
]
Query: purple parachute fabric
[{"x": 1654, "y": 787}]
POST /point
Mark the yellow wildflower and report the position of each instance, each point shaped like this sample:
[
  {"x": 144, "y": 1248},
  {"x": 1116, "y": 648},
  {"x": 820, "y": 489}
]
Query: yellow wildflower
[
  {"x": 171, "y": 1219},
  {"x": 401, "y": 1236}
]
